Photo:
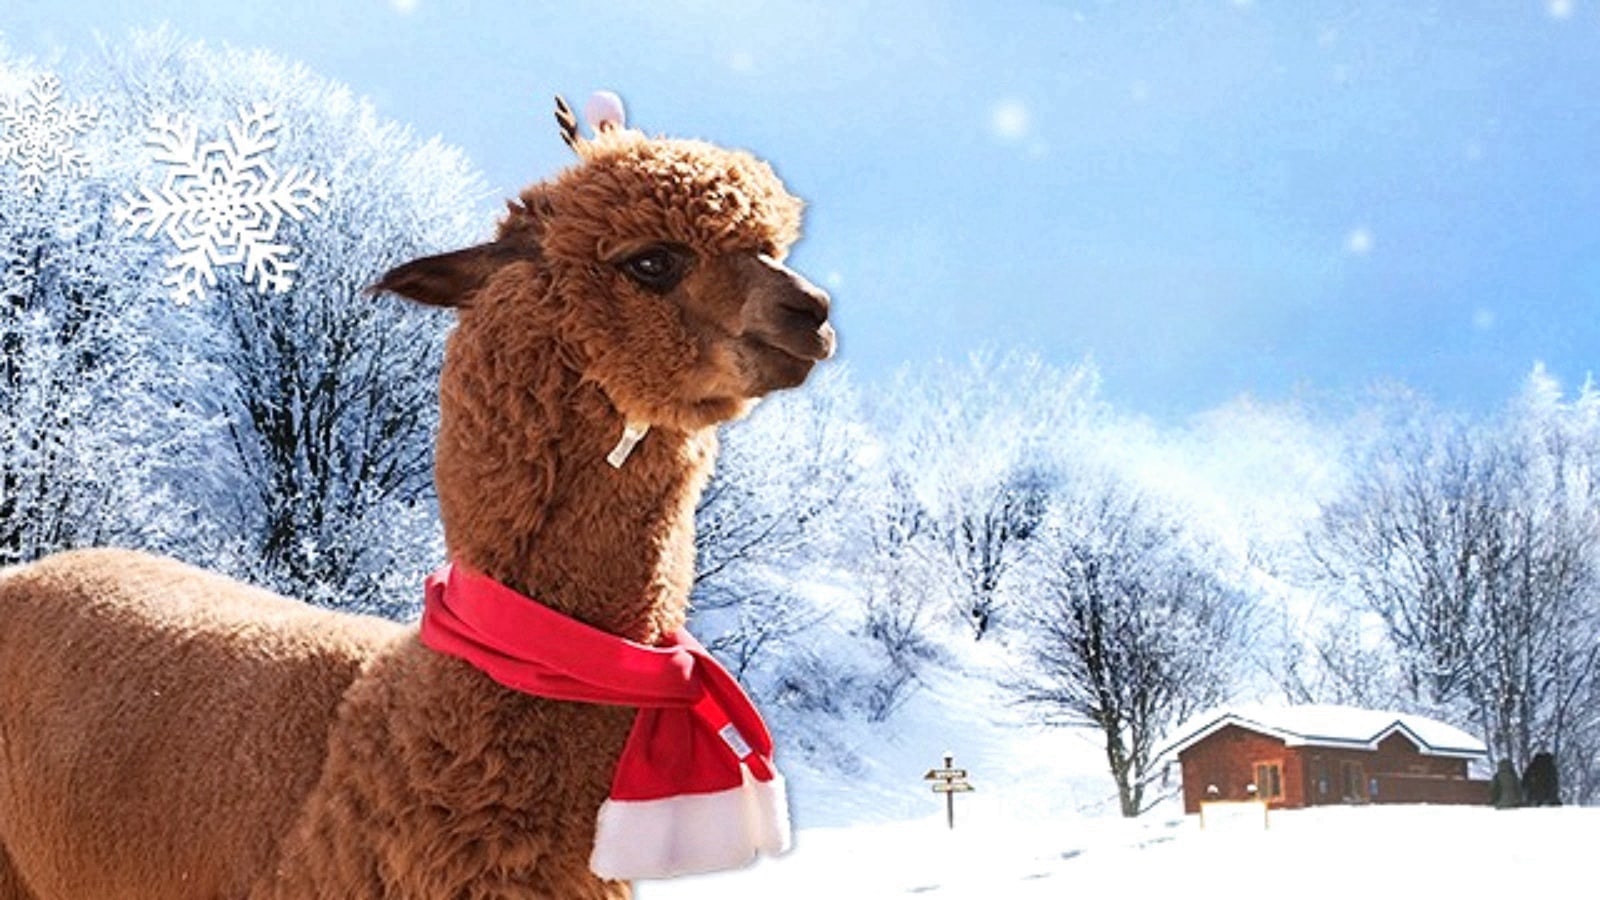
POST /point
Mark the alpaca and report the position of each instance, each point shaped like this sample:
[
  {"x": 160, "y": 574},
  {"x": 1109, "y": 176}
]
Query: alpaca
[{"x": 168, "y": 733}]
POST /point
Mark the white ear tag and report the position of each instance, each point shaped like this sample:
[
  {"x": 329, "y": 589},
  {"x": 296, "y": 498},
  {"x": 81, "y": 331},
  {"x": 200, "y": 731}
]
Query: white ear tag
[{"x": 632, "y": 434}]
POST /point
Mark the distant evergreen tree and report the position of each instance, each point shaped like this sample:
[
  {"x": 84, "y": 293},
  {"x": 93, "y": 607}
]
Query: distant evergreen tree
[
  {"x": 1541, "y": 781},
  {"x": 1505, "y": 792}
]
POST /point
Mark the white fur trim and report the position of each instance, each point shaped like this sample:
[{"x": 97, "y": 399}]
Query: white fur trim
[{"x": 691, "y": 833}]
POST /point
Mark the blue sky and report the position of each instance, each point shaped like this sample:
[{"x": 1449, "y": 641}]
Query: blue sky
[{"x": 1209, "y": 198}]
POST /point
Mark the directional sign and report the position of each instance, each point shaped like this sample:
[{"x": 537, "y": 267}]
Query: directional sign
[{"x": 949, "y": 781}]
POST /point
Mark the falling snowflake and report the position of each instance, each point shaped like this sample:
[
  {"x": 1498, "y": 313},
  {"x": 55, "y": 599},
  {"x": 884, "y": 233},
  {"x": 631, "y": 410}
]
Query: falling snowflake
[
  {"x": 37, "y": 130},
  {"x": 221, "y": 203}
]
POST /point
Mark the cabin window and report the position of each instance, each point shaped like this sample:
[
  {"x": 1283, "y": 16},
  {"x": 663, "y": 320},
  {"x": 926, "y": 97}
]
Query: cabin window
[{"x": 1269, "y": 781}]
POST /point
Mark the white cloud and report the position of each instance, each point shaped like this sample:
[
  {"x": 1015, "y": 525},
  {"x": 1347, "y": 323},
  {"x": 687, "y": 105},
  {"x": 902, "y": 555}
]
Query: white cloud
[
  {"x": 1482, "y": 319},
  {"x": 1358, "y": 242},
  {"x": 1010, "y": 120},
  {"x": 1559, "y": 9},
  {"x": 404, "y": 7}
]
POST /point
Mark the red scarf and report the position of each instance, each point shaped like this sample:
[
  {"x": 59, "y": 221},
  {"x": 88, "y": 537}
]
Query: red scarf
[{"x": 694, "y": 789}]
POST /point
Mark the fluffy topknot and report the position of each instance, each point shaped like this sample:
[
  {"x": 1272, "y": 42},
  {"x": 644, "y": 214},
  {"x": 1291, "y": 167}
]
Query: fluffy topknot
[{"x": 631, "y": 187}]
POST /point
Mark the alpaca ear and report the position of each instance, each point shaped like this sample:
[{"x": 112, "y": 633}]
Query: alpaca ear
[{"x": 450, "y": 279}]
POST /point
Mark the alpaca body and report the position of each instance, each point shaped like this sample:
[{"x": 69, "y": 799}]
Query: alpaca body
[
  {"x": 145, "y": 707},
  {"x": 216, "y": 762}
]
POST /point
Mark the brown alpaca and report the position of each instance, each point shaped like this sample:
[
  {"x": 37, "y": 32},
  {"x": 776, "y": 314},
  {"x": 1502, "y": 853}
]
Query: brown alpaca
[{"x": 167, "y": 733}]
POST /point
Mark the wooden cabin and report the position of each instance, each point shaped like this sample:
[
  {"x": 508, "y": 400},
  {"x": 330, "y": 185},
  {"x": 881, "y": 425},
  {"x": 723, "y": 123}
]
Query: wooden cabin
[{"x": 1316, "y": 755}]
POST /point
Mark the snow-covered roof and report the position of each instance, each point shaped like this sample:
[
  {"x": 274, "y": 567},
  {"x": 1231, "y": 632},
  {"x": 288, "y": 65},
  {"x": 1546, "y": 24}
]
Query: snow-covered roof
[{"x": 1326, "y": 725}]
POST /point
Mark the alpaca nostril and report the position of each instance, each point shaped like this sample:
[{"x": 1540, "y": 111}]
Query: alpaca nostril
[{"x": 808, "y": 300}]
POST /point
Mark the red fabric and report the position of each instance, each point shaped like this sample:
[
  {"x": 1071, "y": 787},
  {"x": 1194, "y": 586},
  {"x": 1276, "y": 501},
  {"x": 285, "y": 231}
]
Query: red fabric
[{"x": 679, "y": 743}]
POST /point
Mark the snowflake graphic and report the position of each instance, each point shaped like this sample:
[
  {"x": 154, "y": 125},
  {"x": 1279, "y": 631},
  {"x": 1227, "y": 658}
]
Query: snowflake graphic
[
  {"x": 36, "y": 131},
  {"x": 221, "y": 203}
]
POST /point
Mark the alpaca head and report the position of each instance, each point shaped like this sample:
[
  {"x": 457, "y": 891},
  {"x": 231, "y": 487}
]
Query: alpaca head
[{"x": 653, "y": 267}]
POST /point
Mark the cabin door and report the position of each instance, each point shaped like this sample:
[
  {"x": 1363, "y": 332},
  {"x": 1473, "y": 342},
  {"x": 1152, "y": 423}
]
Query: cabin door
[{"x": 1352, "y": 782}]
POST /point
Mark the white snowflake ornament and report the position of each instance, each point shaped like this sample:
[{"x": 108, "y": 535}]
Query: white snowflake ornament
[
  {"x": 36, "y": 131},
  {"x": 221, "y": 203}
]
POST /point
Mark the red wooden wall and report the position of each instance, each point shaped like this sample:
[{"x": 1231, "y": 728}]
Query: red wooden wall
[{"x": 1396, "y": 772}]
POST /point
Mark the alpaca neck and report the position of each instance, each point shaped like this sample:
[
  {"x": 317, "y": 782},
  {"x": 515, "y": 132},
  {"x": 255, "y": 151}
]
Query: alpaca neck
[{"x": 528, "y": 498}]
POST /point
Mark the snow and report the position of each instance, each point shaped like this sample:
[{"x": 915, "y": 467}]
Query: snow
[
  {"x": 1377, "y": 851},
  {"x": 965, "y": 714}
]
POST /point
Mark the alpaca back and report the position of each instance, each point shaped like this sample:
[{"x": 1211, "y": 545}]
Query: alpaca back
[{"x": 160, "y": 726}]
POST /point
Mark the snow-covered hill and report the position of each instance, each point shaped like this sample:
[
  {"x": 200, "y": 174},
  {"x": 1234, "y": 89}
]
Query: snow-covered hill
[{"x": 862, "y": 772}]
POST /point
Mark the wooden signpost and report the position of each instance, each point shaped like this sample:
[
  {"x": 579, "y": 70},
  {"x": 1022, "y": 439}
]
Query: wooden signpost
[{"x": 949, "y": 781}]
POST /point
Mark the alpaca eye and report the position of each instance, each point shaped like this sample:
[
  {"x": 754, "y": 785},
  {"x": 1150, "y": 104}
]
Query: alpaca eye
[{"x": 658, "y": 269}]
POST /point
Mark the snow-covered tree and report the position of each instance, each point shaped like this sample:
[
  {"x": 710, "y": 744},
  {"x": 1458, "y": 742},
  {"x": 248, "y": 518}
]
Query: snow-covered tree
[
  {"x": 279, "y": 425},
  {"x": 898, "y": 583},
  {"x": 785, "y": 478},
  {"x": 1336, "y": 661},
  {"x": 975, "y": 442},
  {"x": 892, "y": 558},
  {"x": 96, "y": 420},
  {"x": 321, "y": 486},
  {"x": 1405, "y": 538},
  {"x": 1476, "y": 547},
  {"x": 1133, "y": 627}
]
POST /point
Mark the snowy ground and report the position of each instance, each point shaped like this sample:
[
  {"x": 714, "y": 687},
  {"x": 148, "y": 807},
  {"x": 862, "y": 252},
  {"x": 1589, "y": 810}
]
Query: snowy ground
[
  {"x": 1380, "y": 851},
  {"x": 1042, "y": 824}
]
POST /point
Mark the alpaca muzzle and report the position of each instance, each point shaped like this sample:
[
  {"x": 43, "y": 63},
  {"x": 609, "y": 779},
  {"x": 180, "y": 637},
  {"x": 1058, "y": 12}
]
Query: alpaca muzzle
[{"x": 787, "y": 312}]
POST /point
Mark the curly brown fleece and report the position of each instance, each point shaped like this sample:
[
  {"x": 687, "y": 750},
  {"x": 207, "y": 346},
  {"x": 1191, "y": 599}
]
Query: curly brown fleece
[{"x": 167, "y": 733}]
